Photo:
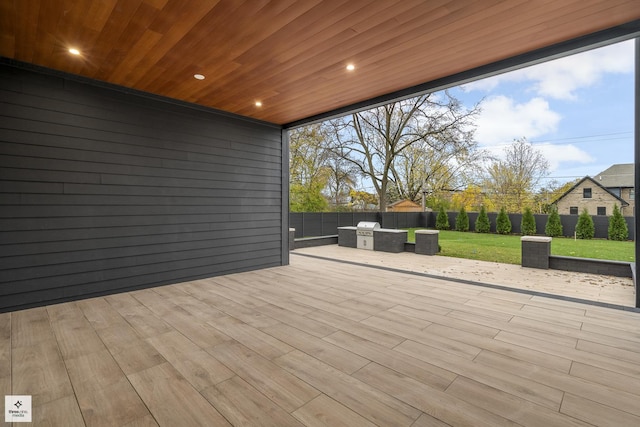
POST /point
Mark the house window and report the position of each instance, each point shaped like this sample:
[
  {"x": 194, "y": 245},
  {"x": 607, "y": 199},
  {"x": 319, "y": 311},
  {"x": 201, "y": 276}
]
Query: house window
[
  {"x": 632, "y": 194},
  {"x": 602, "y": 210},
  {"x": 573, "y": 210},
  {"x": 615, "y": 191},
  {"x": 586, "y": 193}
]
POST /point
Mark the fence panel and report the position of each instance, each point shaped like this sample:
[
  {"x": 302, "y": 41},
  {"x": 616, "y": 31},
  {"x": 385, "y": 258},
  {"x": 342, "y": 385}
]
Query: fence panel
[
  {"x": 312, "y": 224},
  {"x": 296, "y": 220},
  {"x": 631, "y": 225},
  {"x": 541, "y": 223},
  {"x": 387, "y": 220},
  {"x": 601, "y": 226}
]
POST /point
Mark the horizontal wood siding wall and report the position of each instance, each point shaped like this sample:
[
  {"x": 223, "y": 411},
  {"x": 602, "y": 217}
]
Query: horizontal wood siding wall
[{"x": 103, "y": 190}]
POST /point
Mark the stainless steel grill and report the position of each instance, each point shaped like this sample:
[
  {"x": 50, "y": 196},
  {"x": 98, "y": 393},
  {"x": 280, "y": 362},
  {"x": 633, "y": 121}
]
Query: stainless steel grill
[{"x": 364, "y": 234}]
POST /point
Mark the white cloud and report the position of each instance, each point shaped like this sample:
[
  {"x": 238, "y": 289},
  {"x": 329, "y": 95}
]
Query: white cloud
[
  {"x": 565, "y": 153},
  {"x": 502, "y": 120},
  {"x": 561, "y": 78},
  {"x": 484, "y": 85}
]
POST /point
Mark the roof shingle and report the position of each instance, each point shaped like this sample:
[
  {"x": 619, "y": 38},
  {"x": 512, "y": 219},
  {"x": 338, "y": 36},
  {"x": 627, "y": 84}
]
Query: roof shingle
[{"x": 620, "y": 175}]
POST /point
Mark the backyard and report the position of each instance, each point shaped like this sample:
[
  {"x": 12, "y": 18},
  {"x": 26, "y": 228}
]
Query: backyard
[{"x": 507, "y": 248}]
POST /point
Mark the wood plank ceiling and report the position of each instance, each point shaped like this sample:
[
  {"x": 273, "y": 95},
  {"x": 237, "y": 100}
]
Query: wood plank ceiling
[{"x": 290, "y": 55}]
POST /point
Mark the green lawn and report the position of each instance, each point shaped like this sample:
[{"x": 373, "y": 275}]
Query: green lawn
[{"x": 507, "y": 249}]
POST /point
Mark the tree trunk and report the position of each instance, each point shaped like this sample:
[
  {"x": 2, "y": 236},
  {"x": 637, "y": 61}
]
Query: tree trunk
[{"x": 382, "y": 196}]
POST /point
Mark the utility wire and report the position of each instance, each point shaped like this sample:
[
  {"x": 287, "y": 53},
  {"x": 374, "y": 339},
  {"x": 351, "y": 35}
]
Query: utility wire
[{"x": 585, "y": 139}]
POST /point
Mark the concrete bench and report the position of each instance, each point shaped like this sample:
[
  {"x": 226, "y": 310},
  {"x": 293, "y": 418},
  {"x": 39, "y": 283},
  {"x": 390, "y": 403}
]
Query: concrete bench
[
  {"x": 389, "y": 240},
  {"x": 292, "y": 239},
  {"x": 347, "y": 237}
]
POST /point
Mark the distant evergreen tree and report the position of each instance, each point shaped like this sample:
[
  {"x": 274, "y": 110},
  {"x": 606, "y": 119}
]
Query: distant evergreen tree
[
  {"x": 442, "y": 220},
  {"x": 462, "y": 220},
  {"x": 553, "y": 228},
  {"x": 482, "y": 223},
  {"x": 503, "y": 223},
  {"x": 585, "y": 228},
  {"x": 528, "y": 223},
  {"x": 618, "y": 229}
]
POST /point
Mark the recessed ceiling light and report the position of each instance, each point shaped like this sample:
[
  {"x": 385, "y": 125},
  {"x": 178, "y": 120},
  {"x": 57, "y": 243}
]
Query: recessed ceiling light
[
  {"x": 74, "y": 51},
  {"x": 198, "y": 76},
  {"x": 351, "y": 67},
  {"x": 258, "y": 104}
]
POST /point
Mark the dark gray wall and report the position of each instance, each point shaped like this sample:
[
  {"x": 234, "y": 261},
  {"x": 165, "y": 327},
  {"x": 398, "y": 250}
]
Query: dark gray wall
[
  {"x": 311, "y": 224},
  {"x": 591, "y": 266},
  {"x": 104, "y": 190},
  {"x": 308, "y": 224}
]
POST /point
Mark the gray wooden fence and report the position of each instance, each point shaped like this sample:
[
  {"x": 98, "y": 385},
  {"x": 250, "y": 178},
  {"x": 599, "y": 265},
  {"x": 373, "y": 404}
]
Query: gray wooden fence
[{"x": 311, "y": 224}]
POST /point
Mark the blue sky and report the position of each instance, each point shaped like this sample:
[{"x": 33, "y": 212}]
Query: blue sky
[{"x": 577, "y": 110}]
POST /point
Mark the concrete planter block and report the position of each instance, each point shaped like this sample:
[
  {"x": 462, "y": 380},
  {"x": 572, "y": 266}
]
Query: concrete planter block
[
  {"x": 292, "y": 239},
  {"x": 427, "y": 242},
  {"x": 536, "y": 251},
  {"x": 387, "y": 240},
  {"x": 347, "y": 237}
]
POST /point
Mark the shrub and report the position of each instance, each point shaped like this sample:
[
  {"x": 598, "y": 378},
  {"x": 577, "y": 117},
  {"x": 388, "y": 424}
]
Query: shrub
[
  {"x": 462, "y": 220},
  {"x": 553, "y": 228},
  {"x": 503, "y": 223},
  {"x": 528, "y": 223},
  {"x": 442, "y": 220},
  {"x": 585, "y": 228},
  {"x": 482, "y": 223},
  {"x": 618, "y": 229}
]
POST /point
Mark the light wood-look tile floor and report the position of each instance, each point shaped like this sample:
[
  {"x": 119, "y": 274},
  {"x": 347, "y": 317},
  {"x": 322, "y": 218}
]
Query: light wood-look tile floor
[{"x": 323, "y": 343}]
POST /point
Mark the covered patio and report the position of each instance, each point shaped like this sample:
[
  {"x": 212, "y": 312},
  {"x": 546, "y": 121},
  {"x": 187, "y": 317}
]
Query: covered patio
[
  {"x": 145, "y": 271},
  {"x": 145, "y": 142},
  {"x": 326, "y": 342}
]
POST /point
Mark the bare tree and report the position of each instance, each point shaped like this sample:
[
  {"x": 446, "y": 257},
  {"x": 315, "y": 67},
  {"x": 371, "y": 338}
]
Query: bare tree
[
  {"x": 341, "y": 180},
  {"x": 511, "y": 181},
  {"x": 423, "y": 169},
  {"x": 377, "y": 141}
]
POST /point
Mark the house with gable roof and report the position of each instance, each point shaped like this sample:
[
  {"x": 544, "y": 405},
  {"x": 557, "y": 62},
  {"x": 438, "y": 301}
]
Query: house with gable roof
[{"x": 600, "y": 193}]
